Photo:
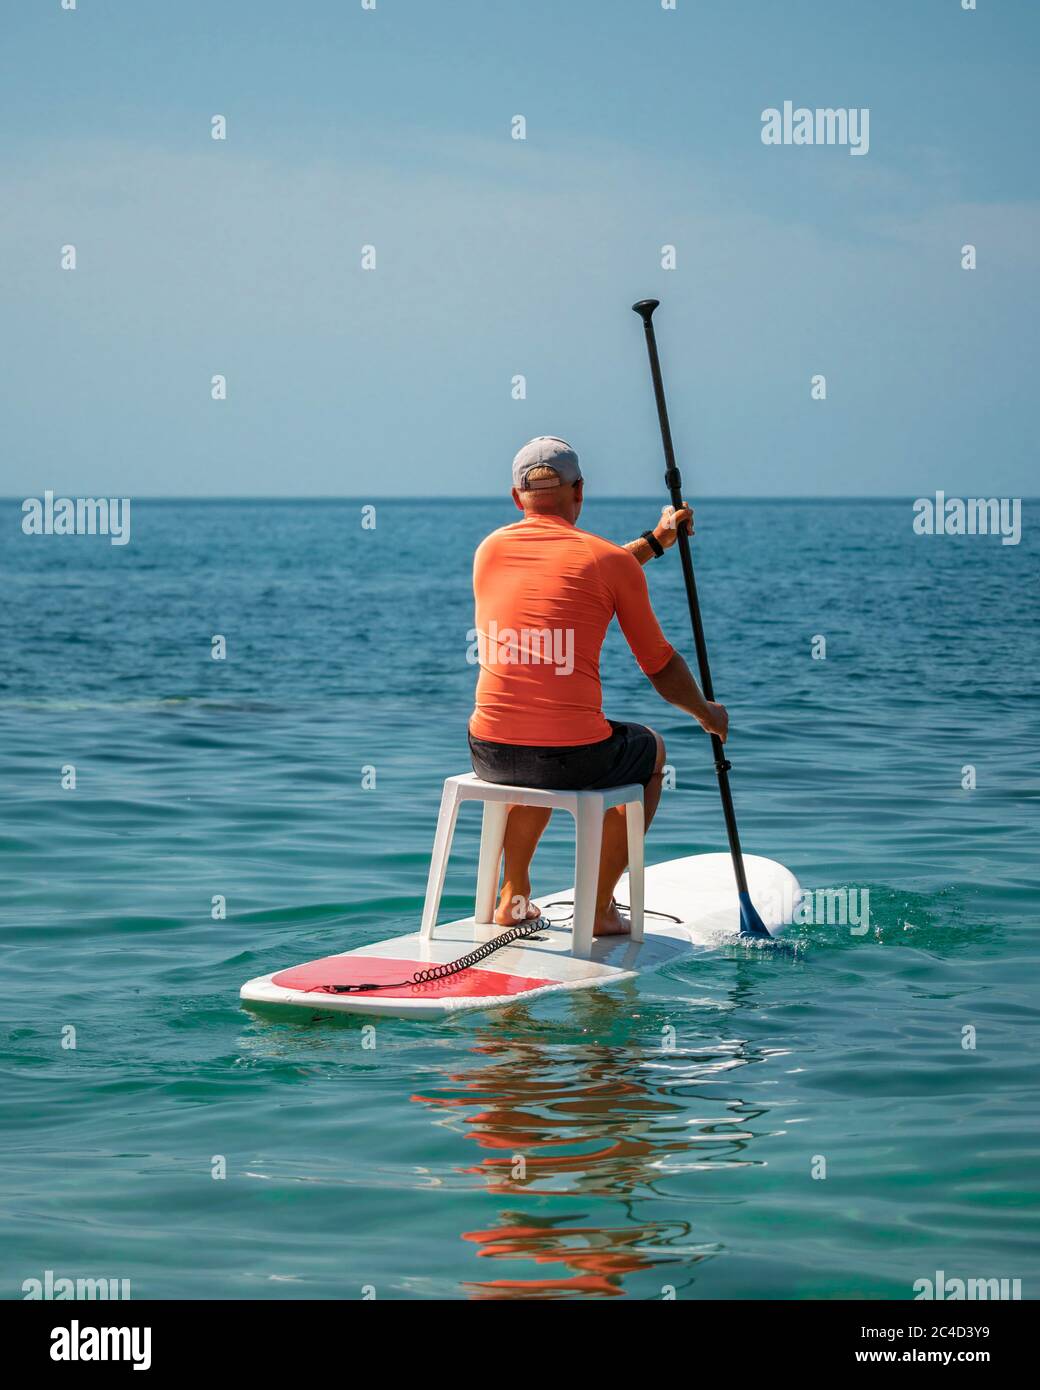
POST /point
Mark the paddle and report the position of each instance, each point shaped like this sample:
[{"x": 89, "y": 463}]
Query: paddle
[{"x": 751, "y": 923}]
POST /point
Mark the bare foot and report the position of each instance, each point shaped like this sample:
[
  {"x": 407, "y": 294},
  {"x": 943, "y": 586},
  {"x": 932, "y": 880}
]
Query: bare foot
[
  {"x": 514, "y": 907},
  {"x": 611, "y": 922}
]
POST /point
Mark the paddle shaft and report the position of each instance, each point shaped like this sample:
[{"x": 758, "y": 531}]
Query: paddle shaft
[{"x": 673, "y": 482}]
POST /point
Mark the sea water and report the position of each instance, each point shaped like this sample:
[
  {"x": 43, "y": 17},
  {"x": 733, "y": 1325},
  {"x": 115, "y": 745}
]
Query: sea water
[{"x": 844, "y": 1120}]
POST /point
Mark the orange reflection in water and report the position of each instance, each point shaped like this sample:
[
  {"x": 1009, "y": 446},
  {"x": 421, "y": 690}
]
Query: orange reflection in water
[
  {"x": 599, "y": 1256},
  {"x": 559, "y": 1122}
]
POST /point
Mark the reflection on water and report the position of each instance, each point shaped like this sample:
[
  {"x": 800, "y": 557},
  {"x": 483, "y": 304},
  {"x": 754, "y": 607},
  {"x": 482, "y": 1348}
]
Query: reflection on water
[
  {"x": 590, "y": 1261},
  {"x": 605, "y": 1117}
]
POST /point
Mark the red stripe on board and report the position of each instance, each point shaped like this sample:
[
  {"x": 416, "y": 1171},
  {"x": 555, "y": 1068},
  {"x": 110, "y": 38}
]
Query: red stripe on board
[{"x": 317, "y": 975}]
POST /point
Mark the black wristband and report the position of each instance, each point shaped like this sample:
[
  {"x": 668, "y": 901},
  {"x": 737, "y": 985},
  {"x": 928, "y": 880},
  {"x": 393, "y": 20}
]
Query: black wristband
[{"x": 654, "y": 544}]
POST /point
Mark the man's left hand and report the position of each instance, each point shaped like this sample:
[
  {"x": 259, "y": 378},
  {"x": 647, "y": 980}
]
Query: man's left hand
[{"x": 667, "y": 529}]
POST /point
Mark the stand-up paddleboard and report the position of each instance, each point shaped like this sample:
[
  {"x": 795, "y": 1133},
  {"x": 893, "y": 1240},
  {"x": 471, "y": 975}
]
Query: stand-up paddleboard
[{"x": 689, "y": 903}]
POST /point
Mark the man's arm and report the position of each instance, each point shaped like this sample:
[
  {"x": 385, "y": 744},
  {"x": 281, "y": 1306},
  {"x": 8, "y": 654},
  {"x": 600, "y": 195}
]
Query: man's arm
[
  {"x": 672, "y": 679},
  {"x": 666, "y": 531},
  {"x": 675, "y": 684}
]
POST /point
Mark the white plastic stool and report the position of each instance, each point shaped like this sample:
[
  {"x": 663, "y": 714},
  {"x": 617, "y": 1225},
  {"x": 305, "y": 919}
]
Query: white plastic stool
[{"x": 587, "y": 808}]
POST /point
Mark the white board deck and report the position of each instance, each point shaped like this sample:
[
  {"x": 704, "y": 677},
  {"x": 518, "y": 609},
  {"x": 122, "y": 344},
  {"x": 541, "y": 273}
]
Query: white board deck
[{"x": 699, "y": 891}]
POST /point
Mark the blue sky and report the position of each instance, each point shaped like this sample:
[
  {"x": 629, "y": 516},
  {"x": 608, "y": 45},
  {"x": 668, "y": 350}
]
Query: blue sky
[{"x": 497, "y": 257}]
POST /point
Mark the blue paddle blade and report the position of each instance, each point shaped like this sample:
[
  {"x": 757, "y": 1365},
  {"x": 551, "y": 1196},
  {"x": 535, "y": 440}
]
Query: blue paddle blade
[{"x": 751, "y": 923}]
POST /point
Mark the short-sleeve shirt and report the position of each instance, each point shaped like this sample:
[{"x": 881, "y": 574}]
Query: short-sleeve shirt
[{"x": 545, "y": 594}]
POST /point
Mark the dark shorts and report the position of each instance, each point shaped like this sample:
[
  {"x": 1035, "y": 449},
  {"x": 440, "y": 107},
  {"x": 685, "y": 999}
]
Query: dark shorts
[{"x": 627, "y": 756}]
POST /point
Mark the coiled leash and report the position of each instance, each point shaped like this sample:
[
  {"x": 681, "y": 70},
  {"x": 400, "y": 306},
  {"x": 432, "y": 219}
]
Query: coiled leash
[{"x": 453, "y": 967}]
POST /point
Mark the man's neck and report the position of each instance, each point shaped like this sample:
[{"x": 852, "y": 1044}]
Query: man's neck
[{"x": 548, "y": 516}]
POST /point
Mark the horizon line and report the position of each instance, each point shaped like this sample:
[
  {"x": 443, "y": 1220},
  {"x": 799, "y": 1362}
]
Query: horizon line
[{"x": 498, "y": 497}]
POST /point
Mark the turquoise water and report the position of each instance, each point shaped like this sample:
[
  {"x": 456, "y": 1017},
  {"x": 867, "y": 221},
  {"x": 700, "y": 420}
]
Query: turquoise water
[{"x": 396, "y": 1167}]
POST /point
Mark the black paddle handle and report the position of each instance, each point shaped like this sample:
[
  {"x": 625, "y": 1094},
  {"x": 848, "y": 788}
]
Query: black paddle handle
[{"x": 673, "y": 481}]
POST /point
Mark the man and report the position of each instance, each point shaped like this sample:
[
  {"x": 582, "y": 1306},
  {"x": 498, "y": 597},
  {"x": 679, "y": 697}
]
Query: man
[{"x": 545, "y": 593}]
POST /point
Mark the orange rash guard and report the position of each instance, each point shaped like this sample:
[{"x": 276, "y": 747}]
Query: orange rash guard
[{"x": 545, "y": 594}]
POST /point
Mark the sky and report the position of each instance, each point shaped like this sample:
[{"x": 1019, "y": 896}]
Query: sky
[{"x": 497, "y": 258}]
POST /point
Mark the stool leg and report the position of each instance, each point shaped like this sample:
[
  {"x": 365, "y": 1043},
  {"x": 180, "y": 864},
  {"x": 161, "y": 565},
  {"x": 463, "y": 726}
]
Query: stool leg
[
  {"x": 439, "y": 858},
  {"x": 492, "y": 838},
  {"x": 588, "y": 835},
  {"x": 634, "y": 819}
]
